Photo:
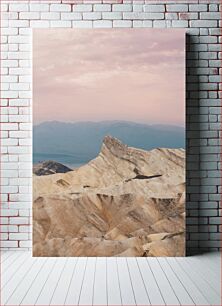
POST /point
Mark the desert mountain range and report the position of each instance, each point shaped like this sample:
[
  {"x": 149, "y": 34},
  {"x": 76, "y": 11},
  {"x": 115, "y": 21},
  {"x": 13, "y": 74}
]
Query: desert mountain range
[
  {"x": 79, "y": 142},
  {"x": 124, "y": 202}
]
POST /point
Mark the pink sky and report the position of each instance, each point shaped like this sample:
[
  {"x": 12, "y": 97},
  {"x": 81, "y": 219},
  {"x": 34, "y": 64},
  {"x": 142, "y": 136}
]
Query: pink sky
[{"x": 106, "y": 74}]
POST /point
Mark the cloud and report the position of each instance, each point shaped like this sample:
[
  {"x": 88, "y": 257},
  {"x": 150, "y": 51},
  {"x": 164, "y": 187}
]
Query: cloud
[{"x": 107, "y": 73}]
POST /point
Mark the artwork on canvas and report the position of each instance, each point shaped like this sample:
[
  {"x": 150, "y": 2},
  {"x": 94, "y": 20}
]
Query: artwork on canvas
[{"x": 109, "y": 142}]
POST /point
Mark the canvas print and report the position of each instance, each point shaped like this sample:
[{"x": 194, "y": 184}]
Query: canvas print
[{"x": 109, "y": 142}]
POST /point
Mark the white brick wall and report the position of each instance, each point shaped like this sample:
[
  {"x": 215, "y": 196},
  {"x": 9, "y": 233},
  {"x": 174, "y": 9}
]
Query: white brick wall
[{"x": 200, "y": 17}]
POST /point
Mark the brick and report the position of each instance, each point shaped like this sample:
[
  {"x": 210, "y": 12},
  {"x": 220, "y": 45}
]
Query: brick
[
  {"x": 25, "y": 244},
  {"x": 18, "y": 150},
  {"x": 4, "y": 7},
  {"x": 29, "y": 15},
  {"x": 138, "y": 23},
  {"x": 122, "y": 23},
  {"x": 37, "y": 7},
  {"x": 4, "y": 71},
  {"x": 9, "y": 173},
  {"x": 215, "y": 220},
  {"x": 9, "y": 212},
  {"x": 9, "y": 31},
  {"x": 122, "y": 8},
  {"x": 102, "y": 7},
  {"x": 25, "y": 126},
  {"x": 9, "y": 126},
  {"x": 9, "y": 94},
  {"x": 18, "y": 55},
  {"x": 92, "y": 15},
  {"x": 53, "y": 15},
  {"x": 24, "y": 212},
  {"x": 204, "y": 31},
  {"x": 19, "y": 118},
  {"x": 18, "y": 23},
  {"x": 137, "y": 7},
  {"x": 215, "y": 78},
  {"x": 24, "y": 229},
  {"x": 19, "y": 102},
  {"x": 203, "y": 23},
  {"x": 154, "y": 8},
  {"x": 13, "y": 47},
  {"x": 102, "y": 24},
  {"x": 208, "y": 39},
  {"x": 135, "y": 15},
  {"x": 112, "y": 15},
  {"x": 18, "y": 7},
  {"x": 82, "y": 24},
  {"x": 9, "y": 63},
  {"x": 207, "y": 55},
  {"x": 82, "y": 8},
  {"x": 8, "y": 228},
  {"x": 60, "y": 24},
  {"x": 197, "y": 7},
  {"x": 208, "y": 15},
  {"x": 162, "y": 23},
  {"x": 213, "y": 7},
  {"x": 4, "y": 86},
  {"x": 215, "y": 236},
  {"x": 147, "y": 23},
  {"x": 71, "y": 16},
  {"x": 216, "y": 31},
  {"x": 25, "y": 31},
  {"x": 39, "y": 24},
  {"x": 171, "y": 16},
  {"x": 9, "y": 244},
  {"x": 187, "y": 16},
  {"x": 208, "y": 205},
  {"x": 199, "y": 236},
  {"x": 19, "y": 134},
  {"x": 60, "y": 8},
  {"x": 8, "y": 142},
  {"x": 3, "y": 220},
  {"x": 177, "y": 8},
  {"x": 215, "y": 63},
  {"x": 180, "y": 23},
  {"x": 18, "y": 236}
]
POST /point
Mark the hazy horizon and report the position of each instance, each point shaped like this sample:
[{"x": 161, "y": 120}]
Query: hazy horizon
[
  {"x": 77, "y": 143},
  {"x": 104, "y": 75},
  {"x": 110, "y": 121}
]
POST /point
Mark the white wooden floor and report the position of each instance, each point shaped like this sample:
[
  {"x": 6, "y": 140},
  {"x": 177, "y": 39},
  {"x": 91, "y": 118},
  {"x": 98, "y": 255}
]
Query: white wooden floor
[{"x": 110, "y": 281}]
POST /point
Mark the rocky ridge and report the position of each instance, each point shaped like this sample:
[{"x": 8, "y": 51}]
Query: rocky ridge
[
  {"x": 49, "y": 167},
  {"x": 125, "y": 202}
]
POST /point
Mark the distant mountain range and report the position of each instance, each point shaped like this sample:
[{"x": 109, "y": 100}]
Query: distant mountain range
[{"x": 76, "y": 143}]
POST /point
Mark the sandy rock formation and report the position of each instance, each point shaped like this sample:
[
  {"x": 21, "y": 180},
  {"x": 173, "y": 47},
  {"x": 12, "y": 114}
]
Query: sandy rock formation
[{"x": 125, "y": 202}]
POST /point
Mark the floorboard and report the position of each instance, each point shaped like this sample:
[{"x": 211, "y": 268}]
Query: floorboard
[
  {"x": 180, "y": 291},
  {"x": 141, "y": 295},
  {"x": 86, "y": 293},
  {"x": 168, "y": 292},
  {"x": 63, "y": 284},
  {"x": 152, "y": 287},
  {"x": 113, "y": 284},
  {"x": 49, "y": 287},
  {"x": 100, "y": 283},
  {"x": 207, "y": 291},
  {"x": 28, "y": 280},
  {"x": 37, "y": 286},
  {"x": 213, "y": 279},
  {"x": 126, "y": 289},
  {"x": 193, "y": 290},
  {"x": 75, "y": 286}
]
